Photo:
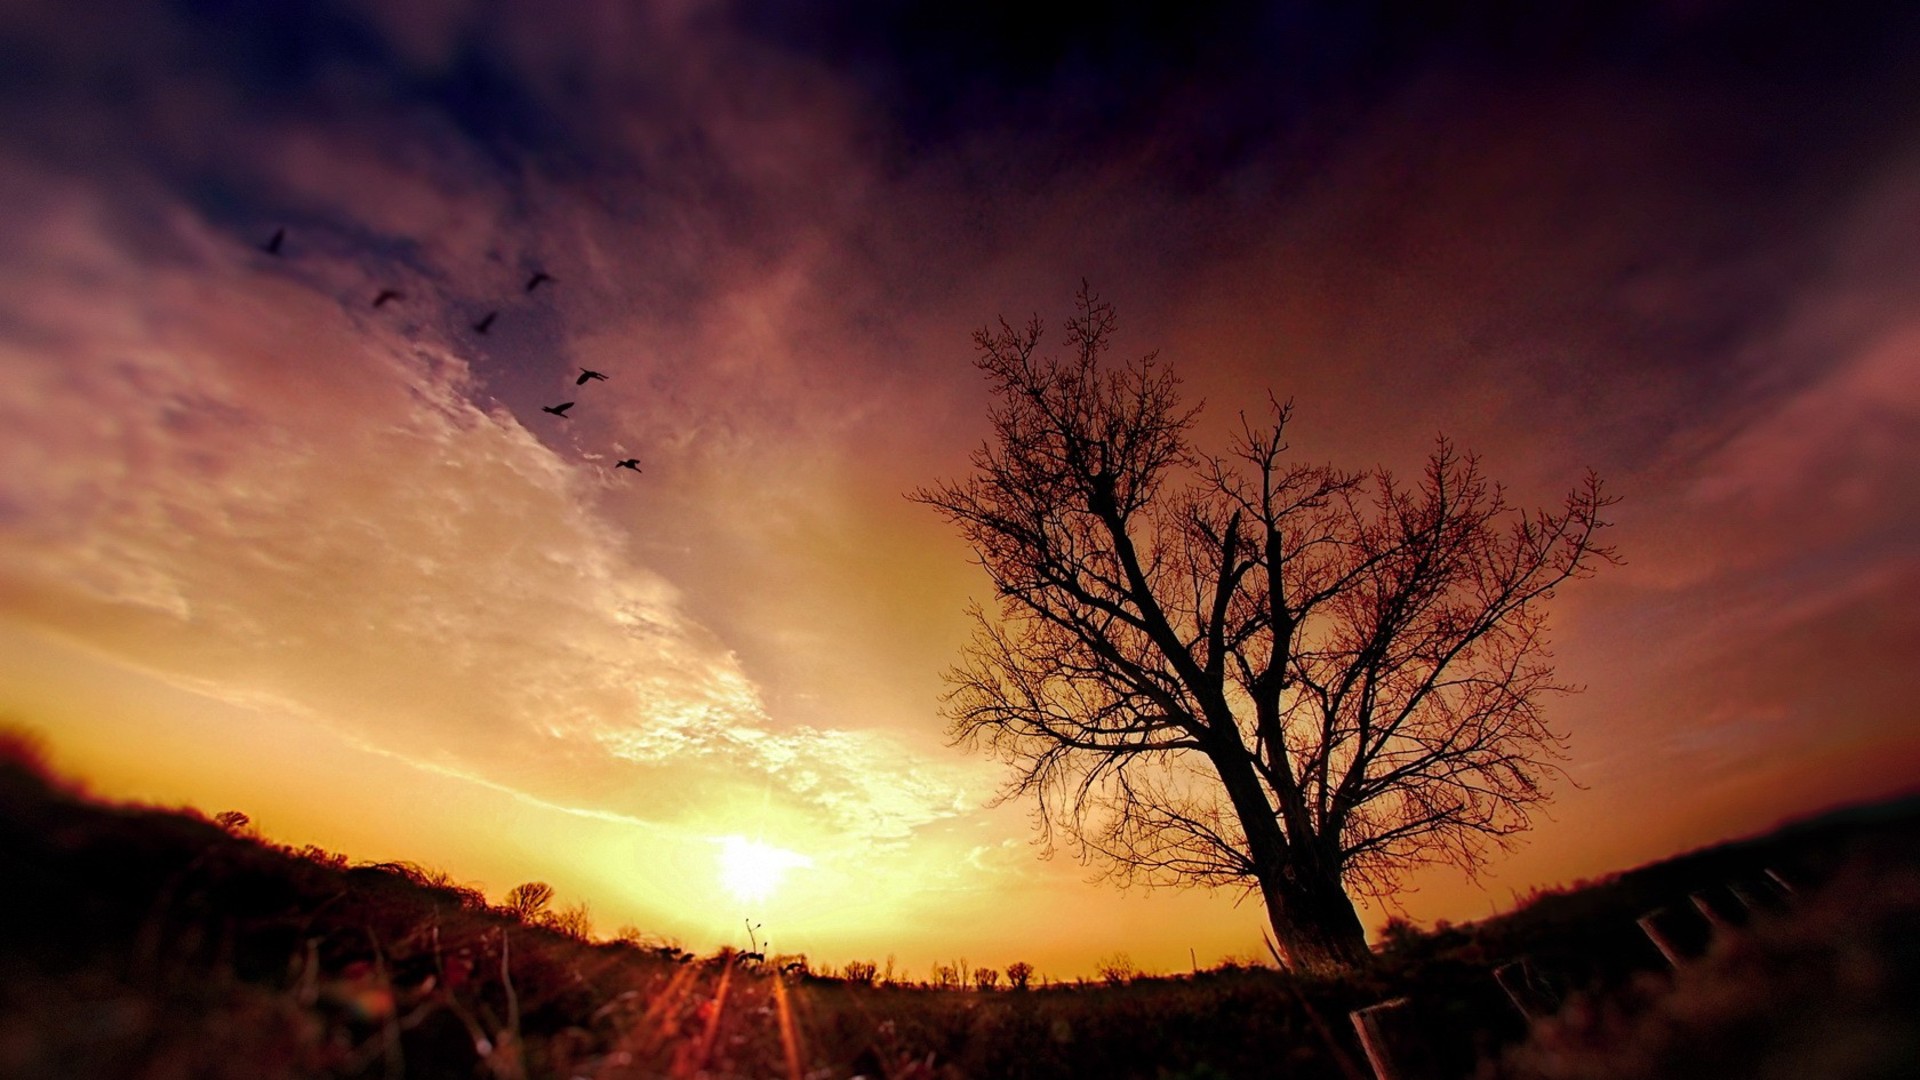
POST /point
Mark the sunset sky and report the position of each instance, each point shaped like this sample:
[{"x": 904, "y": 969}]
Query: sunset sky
[{"x": 264, "y": 546}]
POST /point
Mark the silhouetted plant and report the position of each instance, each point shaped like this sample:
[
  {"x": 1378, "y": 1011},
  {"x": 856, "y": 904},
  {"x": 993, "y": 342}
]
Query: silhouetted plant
[
  {"x": 23, "y": 753},
  {"x": 1399, "y": 933},
  {"x": 1019, "y": 974},
  {"x": 1117, "y": 969},
  {"x": 664, "y": 948},
  {"x": 528, "y": 899},
  {"x": 332, "y": 860},
  {"x": 1239, "y": 670},
  {"x": 574, "y": 921}
]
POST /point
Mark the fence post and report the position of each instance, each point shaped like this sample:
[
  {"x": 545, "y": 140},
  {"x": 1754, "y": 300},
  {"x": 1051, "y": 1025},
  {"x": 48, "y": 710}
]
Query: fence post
[
  {"x": 1708, "y": 911},
  {"x": 1526, "y": 989},
  {"x": 1786, "y": 886},
  {"x": 1395, "y": 1046},
  {"x": 1747, "y": 899},
  {"x": 1373, "y": 1038},
  {"x": 1649, "y": 925}
]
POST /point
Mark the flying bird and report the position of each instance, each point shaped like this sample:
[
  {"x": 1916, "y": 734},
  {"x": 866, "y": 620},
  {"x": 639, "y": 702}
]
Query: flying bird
[
  {"x": 386, "y": 295},
  {"x": 539, "y": 278},
  {"x": 559, "y": 410},
  {"x": 630, "y": 463},
  {"x": 272, "y": 246},
  {"x": 588, "y": 373},
  {"x": 485, "y": 322}
]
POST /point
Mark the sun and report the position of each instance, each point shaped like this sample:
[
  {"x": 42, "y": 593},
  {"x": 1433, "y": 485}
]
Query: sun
[{"x": 751, "y": 870}]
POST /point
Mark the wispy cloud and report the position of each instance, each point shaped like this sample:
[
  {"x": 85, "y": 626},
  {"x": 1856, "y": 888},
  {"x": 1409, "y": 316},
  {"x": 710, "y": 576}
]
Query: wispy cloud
[{"x": 256, "y": 489}]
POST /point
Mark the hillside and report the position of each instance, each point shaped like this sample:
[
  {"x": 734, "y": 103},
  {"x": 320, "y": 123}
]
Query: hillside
[{"x": 151, "y": 943}]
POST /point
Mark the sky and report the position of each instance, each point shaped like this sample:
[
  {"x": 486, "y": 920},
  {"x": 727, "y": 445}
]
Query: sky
[{"x": 266, "y": 547}]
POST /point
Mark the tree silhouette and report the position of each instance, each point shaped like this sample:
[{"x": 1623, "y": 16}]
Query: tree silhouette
[
  {"x": 1019, "y": 973},
  {"x": 1238, "y": 670},
  {"x": 1116, "y": 970},
  {"x": 575, "y": 921},
  {"x": 528, "y": 899}
]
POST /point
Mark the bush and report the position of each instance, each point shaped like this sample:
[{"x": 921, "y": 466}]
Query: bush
[
  {"x": 1116, "y": 970},
  {"x": 528, "y": 899}
]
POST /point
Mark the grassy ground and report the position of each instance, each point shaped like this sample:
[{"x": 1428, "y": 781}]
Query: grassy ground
[
  {"x": 1826, "y": 989},
  {"x": 153, "y": 944}
]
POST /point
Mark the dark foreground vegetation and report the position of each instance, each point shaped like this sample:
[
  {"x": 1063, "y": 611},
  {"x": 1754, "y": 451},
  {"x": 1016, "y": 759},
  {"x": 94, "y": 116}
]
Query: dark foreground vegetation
[{"x": 157, "y": 944}]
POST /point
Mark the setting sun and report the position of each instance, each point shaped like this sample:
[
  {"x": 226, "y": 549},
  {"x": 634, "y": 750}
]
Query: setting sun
[{"x": 751, "y": 870}]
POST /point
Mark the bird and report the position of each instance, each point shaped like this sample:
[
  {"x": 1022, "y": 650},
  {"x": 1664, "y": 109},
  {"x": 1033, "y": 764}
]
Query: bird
[
  {"x": 485, "y": 322},
  {"x": 630, "y": 463},
  {"x": 539, "y": 278},
  {"x": 588, "y": 373},
  {"x": 559, "y": 410},
  {"x": 272, "y": 246},
  {"x": 386, "y": 295}
]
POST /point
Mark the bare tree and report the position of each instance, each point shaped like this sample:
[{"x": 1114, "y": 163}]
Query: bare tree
[
  {"x": 575, "y": 921},
  {"x": 1241, "y": 670},
  {"x": 1117, "y": 970},
  {"x": 529, "y": 899},
  {"x": 1019, "y": 974}
]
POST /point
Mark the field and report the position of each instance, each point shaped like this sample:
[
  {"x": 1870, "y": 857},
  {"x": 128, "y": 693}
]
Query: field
[{"x": 158, "y": 944}]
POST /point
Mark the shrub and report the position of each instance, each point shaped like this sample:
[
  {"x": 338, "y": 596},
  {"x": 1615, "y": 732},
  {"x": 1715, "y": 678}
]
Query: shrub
[
  {"x": 528, "y": 899},
  {"x": 1117, "y": 969},
  {"x": 232, "y": 820},
  {"x": 573, "y": 921},
  {"x": 1399, "y": 933},
  {"x": 1019, "y": 974}
]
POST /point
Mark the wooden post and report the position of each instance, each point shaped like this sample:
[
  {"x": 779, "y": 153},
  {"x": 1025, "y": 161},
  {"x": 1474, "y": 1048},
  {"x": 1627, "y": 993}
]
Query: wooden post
[
  {"x": 1649, "y": 925},
  {"x": 1786, "y": 887},
  {"x": 1710, "y": 912},
  {"x": 1759, "y": 896},
  {"x": 1373, "y": 1038},
  {"x": 1681, "y": 932},
  {"x": 1526, "y": 989},
  {"x": 1395, "y": 1047}
]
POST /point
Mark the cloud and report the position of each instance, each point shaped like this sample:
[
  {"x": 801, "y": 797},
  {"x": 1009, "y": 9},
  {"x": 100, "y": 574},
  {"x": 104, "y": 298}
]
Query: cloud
[
  {"x": 1754, "y": 644},
  {"x": 224, "y": 474}
]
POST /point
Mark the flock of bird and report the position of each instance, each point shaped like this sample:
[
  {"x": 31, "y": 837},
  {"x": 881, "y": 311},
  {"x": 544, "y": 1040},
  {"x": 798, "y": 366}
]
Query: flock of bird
[{"x": 278, "y": 241}]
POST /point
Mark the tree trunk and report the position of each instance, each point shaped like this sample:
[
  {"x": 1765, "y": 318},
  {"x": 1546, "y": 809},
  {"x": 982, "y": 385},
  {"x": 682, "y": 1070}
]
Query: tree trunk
[{"x": 1314, "y": 923}]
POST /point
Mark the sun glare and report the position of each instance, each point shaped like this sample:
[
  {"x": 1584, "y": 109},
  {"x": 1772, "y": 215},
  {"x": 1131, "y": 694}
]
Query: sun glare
[{"x": 751, "y": 870}]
